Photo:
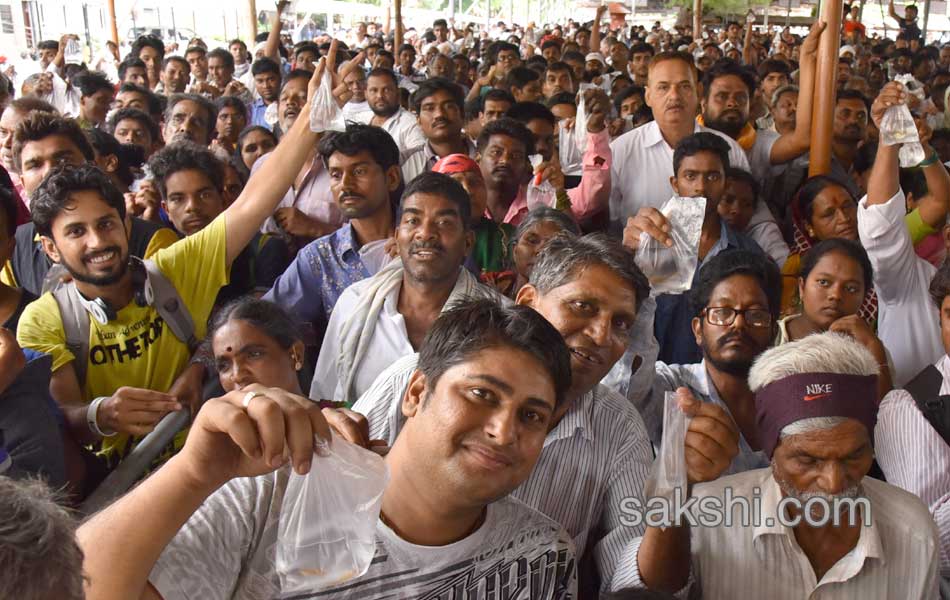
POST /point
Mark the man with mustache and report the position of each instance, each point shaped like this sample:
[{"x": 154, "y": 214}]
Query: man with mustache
[
  {"x": 189, "y": 117},
  {"x": 382, "y": 95},
  {"x": 504, "y": 146},
  {"x": 379, "y": 320},
  {"x": 821, "y": 523},
  {"x": 365, "y": 182},
  {"x": 438, "y": 104}
]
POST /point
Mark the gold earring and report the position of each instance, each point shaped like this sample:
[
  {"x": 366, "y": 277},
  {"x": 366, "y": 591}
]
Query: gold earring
[{"x": 297, "y": 364}]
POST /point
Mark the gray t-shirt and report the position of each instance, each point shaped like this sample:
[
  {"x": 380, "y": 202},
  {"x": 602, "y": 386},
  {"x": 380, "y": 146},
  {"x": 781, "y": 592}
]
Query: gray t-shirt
[{"x": 227, "y": 550}]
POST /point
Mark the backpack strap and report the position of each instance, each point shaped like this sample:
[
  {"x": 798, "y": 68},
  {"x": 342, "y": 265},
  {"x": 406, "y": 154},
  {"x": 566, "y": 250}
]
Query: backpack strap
[
  {"x": 75, "y": 327},
  {"x": 925, "y": 389},
  {"x": 168, "y": 303},
  {"x": 53, "y": 278}
]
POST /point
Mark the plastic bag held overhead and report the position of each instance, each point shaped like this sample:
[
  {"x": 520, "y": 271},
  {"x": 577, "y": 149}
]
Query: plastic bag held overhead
[
  {"x": 670, "y": 270},
  {"x": 325, "y": 113},
  {"x": 898, "y": 127},
  {"x": 327, "y": 529}
]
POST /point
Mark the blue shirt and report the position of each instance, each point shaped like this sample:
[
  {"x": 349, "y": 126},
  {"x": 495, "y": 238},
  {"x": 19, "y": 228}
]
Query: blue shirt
[
  {"x": 313, "y": 282},
  {"x": 672, "y": 325},
  {"x": 258, "y": 109}
]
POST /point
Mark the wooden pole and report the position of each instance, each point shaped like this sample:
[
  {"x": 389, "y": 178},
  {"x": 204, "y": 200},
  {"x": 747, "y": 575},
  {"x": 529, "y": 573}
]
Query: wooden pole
[
  {"x": 825, "y": 79},
  {"x": 397, "y": 15},
  {"x": 251, "y": 19},
  {"x": 113, "y": 27},
  {"x": 697, "y": 20}
]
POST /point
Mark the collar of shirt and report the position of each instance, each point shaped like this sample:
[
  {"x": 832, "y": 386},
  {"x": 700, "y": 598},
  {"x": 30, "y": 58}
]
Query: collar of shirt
[
  {"x": 518, "y": 208},
  {"x": 346, "y": 240},
  {"x": 576, "y": 420},
  {"x": 868, "y": 546},
  {"x": 653, "y": 136},
  {"x": 432, "y": 158},
  {"x": 943, "y": 365}
]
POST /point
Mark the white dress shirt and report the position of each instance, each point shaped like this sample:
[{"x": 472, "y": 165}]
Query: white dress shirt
[
  {"x": 597, "y": 455},
  {"x": 908, "y": 322},
  {"x": 402, "y": 127},
  {"x": 896, "y": 557},
  {"x": 915, "y": 458},
  {"x": 351, "y": 109},
  {"x": 313, "y": 197}
]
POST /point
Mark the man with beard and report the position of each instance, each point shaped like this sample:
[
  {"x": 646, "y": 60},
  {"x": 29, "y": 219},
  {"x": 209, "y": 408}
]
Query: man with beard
[
  {"x": 133, "y": 356},
  {"x": 266, "y": 73},
  {"x": 820, "y": 523},
  {"x": 43, "y": 141},
  {"x": 438, "y": 104},
  {"x": 503, "y": 150},
  {"x": 382, "y": 95},
  {"x": 735, "y": 300},
  {"x": 365, "y": 181},
  {"x": 189, "y": 117},
  {"x": 379, "y": 320}
]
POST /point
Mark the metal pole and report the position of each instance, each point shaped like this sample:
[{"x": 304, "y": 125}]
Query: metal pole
[
  {"x": 174, "y": 26},
  {"x": 452, "y": 11},
  {"x": 923, "y": 34},
  {"x": 825, "y": 78},
  {"x": 113, "y": 27},
  {"x": 85, "y": 21},
  {"x": 788, "y": 14},
  {"x": 765, "y": 24},
  {"x": 697, "y": 19}
]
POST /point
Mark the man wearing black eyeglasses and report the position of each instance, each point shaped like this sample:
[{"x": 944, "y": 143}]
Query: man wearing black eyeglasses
[{"x": 735, "y": 298}]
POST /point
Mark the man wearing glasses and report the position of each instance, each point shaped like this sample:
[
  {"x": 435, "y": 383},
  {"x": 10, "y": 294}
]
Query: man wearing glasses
[{"x": 735, "y": 299}]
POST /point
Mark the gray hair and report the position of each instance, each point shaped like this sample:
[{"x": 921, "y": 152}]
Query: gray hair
[
  {"x": 546, "y": 214},
  {"x": 207, "y": 105},
  {"x": 818, "y": 353},
  {"x": 564, "y": 257},
  {"x": 809, "y": 425},
  {"x": 778, "y": 93},
  {"x": 38, "y": 550}
]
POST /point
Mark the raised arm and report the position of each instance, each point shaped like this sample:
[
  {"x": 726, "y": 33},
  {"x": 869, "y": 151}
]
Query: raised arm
[
  {"x": 273, "y": 37},
  {"x": 266, "y": 188},
  {"x": 747, "y": 49},
  {"x": 933, "y": 206},
  {"x": 884, "y": 180},
  {"x": 891, "y": 12},
  {"x": 792, "y": 145},
  {"x": 594, "y": 42}
]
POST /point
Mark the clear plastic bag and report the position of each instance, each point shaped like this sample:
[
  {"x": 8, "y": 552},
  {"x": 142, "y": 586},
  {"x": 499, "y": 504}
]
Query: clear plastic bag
[
  {"x": 571, "y": 158},
  {"x": 670, "y": 270},
  {"x": 325, "y": 113},
  {"x": 327, "y": 528},
  {"x": 669, "y": 469},
  {"x": 580, "y": 122},
  {"x": 898, "y": 127},
  {"x": 540, "y": 193}
]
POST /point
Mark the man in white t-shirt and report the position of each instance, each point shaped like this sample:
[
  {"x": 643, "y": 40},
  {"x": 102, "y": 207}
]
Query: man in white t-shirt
[
  {"x": 489, "y": 383},
  {"x": 382, "y": 96}
]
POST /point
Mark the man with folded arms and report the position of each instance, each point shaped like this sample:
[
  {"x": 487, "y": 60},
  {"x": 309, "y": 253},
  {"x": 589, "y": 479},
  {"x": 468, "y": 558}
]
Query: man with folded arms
[{"x": 816, "y": 409}]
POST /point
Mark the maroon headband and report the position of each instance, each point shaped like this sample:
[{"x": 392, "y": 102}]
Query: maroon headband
[{"x": 809, "y": 395}]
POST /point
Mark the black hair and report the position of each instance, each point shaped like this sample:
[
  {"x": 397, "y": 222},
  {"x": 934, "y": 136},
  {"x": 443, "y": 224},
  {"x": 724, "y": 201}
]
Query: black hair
[
  {"x": 559, "y": 66},
  {"x": 238, "y": 41},
  {"x": 810, "y": 190},
  {"x": 407, "y": 48},
  {"x": 381, "y": 72},
  {"x": 572, "y": 55},
  {"x": 176, "y": 59},
  {"x": 913, "y": 182},
  {"x": 92, "y": 82},
  {"x": 737, "y": 262},
  {"x": 701, "y": 142},
  {"x": 296, "y": 74},
  {"x": 307, "y": 47},
  {"x": 266, "y": 316},
  {"x": 48, "y": 45},
  {"x": 359, "y": 138},
  {"x": 496, "y": 48},
  {"x": 773, "y": 65},
  {"x": 853, "y": 95},
  {"x": 525, "y": 112},
  {"x": 55, "y": 193},
  {"x": 724, "y": 68},
  {"x": 233, "y": 102},
  {"x": 147, "y": 41},
  {"x": 199, "y": 49},
  {"x": 496, "y": 95},
  {"x": 250, "y": 129},
  {"x": 550, "y": 44},
  {"x": 151, "y": 98},
  {"x": 128, "y": 156},
  {"x": 508, "y": 127},
  {"x": 185, "y": 156},
  {"x": 850, "y": 248},
  {"x": 223, "y": 55},
  {"x": 439, "y": 22},
  {"x": 437, "y": 184},
  {"x": 30, "y": 104},
  {"x": 940, "y": 285},
  {"x": 519, "y": 77},
  {"x": 746, "y": 178},
  {"x": 472, "y": 108},
  {"x": 134, "y": 114},
  {"x": 265, "y": 65},
  {"x": 473, "y": 326},
  {"x": 561, "y": 98},
  {"x": 198, "y": 99},
  {"x": 130, "y": 63},
  {"x": 633, "y": 90},
  {"x": 41, "y": 125},
  {"x": 642, "y": 47},
  {"x": 430, "y": 87},
  {"x": 536, "y": 63},
  {"x": 8, "y": 207}
]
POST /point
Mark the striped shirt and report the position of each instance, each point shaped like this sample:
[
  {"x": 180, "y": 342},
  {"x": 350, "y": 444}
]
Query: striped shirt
[
  {"x": 914, "y": 457},
  {"x": 896, "y": 557},
  {"x": 597, "y": 455}
]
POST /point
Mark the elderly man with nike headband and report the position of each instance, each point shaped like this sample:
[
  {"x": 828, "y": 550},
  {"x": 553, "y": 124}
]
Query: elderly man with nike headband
[{"x": 812, "y": 525}]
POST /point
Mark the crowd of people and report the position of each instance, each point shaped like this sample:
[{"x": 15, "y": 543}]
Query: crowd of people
[{"x": 455, "y": 278}]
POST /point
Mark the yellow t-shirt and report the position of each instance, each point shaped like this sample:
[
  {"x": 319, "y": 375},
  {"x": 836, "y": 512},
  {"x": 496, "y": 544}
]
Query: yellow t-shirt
[{"x": 137, "y": 349}]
